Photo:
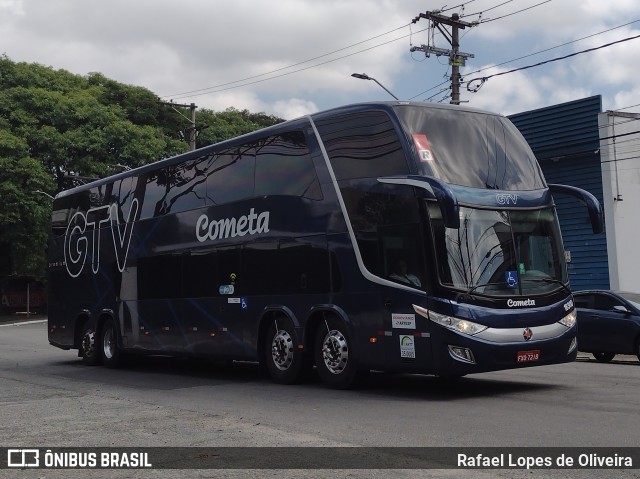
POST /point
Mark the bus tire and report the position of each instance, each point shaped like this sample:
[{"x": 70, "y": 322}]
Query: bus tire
[
  {"x": 603, "y": 357},
  {"x": 283, "y": 358},
  {"x": 89, "y": 351},
  {"x": 334, "y": 354},
  {"x": 108, "y": 345}
]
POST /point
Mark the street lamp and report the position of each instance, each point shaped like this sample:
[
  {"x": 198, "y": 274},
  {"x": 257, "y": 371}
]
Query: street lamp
[
  {"x": 364, "y": 76},
  {"x": 44, "y": 193}
]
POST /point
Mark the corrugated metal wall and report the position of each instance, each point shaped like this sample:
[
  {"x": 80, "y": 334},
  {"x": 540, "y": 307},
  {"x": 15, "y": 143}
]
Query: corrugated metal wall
[{"x": 565, "y": 139}]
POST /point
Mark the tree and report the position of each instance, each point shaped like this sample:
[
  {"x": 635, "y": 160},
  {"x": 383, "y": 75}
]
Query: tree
[
  {"x": 230, "y": 123},
  {"x": 56, "y": 127},
  {"x": 24, "y": 213}
]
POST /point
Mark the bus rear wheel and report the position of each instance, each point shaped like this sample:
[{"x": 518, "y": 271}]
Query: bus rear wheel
[
  {"x": 334, "y": 355},
  {"x": 108, "y": 345},
  {"x": 88, "y": 347},
  {"x": 283, "y": 357}
]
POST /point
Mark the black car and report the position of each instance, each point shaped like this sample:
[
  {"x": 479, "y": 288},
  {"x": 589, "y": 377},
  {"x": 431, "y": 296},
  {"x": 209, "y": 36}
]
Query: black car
[{"x": 608, "y": 323}]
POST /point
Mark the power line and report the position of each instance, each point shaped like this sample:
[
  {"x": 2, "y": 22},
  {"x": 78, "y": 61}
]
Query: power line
[
  {"x": 513, "y": 13},
  {"x": 457, "y": 6},
  {"x": 198, "y": 91},
  {"x": 485, "y": 10},
  {"x": 215, "y": 88},
  {"x": 535, "y": 53},
  {"x": 483, "y": 80},
  {"x": 553, "y": 48}
]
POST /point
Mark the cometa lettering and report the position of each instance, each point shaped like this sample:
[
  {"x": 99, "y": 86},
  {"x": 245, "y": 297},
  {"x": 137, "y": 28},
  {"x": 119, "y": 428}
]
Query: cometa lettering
[
  {"x": 250, "y": 224},
  {"x": 515, "y": 303}
]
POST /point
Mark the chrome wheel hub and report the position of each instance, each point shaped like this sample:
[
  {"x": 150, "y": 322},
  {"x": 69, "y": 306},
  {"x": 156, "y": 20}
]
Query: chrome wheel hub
[
  {"x": 109, "y": 345},
  {"x": 335, "y": 352},
  {"x": 88, "y": 343},
  {"x": 282, "y": 350}
]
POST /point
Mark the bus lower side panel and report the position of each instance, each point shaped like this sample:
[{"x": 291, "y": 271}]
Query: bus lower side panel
[{"x": 227, "y": 328}]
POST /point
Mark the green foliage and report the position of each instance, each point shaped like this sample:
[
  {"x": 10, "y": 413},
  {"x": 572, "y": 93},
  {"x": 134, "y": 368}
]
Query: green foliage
[
  {"x": 229, "y": 124},
  {"x": 56, "y": 126},
  {"x": 24, "y": 215}
]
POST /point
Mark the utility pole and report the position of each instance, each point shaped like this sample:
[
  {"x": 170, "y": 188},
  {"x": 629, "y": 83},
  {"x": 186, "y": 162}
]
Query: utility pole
[
  {"x": 456, "y": 57},
  {"x": 193, "y": 132}
]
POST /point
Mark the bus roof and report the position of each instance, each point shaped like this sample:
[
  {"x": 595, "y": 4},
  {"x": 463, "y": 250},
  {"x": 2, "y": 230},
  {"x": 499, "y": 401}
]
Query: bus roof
[{"x": 287, "y": 125}]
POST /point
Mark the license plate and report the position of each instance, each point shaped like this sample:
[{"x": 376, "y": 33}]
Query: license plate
[{"x": 527, "y": 356}]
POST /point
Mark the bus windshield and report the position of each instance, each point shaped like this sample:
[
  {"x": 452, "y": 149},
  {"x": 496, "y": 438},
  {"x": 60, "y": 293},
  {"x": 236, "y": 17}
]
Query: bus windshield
[
  {"x": 471, "y": 149},
  {"x": 500, "y": 252}
]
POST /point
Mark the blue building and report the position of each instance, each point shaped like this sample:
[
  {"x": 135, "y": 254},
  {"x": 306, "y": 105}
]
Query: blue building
[{"x": 566, "y": 141}]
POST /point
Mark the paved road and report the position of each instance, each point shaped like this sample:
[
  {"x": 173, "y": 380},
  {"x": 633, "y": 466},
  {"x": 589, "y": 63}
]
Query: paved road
[{"x": 48, "y": 398}]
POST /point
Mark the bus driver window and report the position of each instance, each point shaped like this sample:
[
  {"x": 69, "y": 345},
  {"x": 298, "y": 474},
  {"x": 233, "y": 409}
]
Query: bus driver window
[{"x": 401, "y": 274}]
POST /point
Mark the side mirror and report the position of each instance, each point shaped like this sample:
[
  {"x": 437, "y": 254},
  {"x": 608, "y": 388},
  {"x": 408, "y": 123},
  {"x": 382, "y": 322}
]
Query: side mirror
[
  {"x": 593, "y": 205},
  {"x": 443, "y": 193},
  {"x": 620, "y": 309}
]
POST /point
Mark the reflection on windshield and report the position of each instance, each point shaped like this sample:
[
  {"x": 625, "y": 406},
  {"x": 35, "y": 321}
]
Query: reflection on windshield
[
  {"x": 471, "y": 148},
  {"x": 500, "y": 253}
]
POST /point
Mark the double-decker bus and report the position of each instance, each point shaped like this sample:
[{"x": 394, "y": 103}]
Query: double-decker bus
[{"x": 393, "y": 236}]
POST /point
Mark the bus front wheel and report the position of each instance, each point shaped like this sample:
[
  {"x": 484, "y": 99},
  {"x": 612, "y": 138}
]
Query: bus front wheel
[
  {"x": 108, "y": 345},
  {"x": 283, "y": 357},
  {"x": 334, "y": 355}
]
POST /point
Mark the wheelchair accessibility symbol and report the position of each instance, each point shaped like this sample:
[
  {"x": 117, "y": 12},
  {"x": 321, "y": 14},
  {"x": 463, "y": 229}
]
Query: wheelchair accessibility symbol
[{"x": 511, "y": 278}]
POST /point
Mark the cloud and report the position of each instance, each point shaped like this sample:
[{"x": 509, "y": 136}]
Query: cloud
[
  {"x": 289, "y": 57},
  {"x": 294, "y": 108}
]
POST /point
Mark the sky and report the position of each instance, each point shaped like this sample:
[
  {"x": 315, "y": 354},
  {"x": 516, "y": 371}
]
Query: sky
[{"x": 293, "y": 57}]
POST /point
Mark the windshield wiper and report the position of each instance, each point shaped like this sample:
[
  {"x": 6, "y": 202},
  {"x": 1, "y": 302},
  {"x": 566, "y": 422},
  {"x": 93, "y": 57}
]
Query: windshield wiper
[
  {"x": 469, "y": 293},
  {"x": 547, "y": 280}
]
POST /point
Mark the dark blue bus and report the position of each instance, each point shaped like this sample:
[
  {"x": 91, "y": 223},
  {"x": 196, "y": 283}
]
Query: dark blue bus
[{"x": 393, "y": 236}]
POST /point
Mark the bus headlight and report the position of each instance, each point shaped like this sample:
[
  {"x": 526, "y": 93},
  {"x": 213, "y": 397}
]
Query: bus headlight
[
  {"x": 456, "y": 324},
  {"x": 570, "y": 319}
]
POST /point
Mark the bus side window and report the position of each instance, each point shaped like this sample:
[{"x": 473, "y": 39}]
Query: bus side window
[
  {"x": 230, "y": 175},
  {"x": 200, "y": 274},
  {"x": 363, "y": 144},
  {"x": 284, "y": 167},
  {"x": 174, "y": 189}
]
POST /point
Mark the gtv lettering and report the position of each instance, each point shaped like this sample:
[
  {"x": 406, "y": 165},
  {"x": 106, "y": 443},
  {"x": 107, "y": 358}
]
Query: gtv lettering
[
  {"x": 250, "y": 224},
  {"x": 507, "y": 198},
  {"x": 83, "y": 228}
]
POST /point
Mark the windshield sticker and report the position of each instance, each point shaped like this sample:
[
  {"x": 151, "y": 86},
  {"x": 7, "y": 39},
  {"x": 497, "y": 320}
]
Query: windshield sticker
[
  {"x": 407, "y": 347},
  {"x": 511, "y": 278},
  {"x": 423, "y": 147}
]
